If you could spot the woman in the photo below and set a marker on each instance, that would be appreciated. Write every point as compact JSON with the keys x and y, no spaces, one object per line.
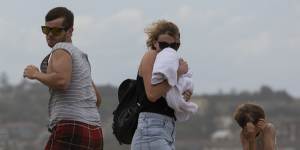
{"x":156,"y":124}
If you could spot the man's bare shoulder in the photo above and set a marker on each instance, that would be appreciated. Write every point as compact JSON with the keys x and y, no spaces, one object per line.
{"x":61,"y":51}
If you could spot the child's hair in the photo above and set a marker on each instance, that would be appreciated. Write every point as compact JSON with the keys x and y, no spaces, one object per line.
{"x":248,"y":112}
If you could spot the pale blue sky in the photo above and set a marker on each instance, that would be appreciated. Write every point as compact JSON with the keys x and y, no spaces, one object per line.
{"x":228,"y":44}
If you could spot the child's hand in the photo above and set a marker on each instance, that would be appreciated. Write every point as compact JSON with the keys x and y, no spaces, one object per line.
{"x":250,"y":131}
{"x":261,"y":124}
{"x":187,"y":95}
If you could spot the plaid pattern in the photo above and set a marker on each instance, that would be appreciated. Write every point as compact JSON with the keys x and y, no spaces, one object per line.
{"x":74,"y":135}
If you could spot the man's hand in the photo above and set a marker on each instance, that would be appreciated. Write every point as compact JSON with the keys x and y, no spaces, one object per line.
{"x":30,"y":72}
{"x":98,"y":96}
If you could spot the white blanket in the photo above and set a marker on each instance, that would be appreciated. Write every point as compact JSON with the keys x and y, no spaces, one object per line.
{"x":165,"y":68}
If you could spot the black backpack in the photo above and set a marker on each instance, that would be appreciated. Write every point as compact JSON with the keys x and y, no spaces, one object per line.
{"x":125,"y":116}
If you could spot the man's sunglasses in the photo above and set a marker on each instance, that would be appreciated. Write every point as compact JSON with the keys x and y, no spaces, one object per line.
{"x":163,"y":45}
{"x":55,"y":31}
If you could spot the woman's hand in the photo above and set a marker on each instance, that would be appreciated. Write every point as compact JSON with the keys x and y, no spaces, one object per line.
{"x":182,"y":68}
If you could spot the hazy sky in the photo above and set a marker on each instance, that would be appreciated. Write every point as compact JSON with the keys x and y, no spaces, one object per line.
{"x":229,"y":44}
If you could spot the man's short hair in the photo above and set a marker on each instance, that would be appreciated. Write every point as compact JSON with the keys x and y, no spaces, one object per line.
{"x":61,"y":12}
{"x":248,"y":112}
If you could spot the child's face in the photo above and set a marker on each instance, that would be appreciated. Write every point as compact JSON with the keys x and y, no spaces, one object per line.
{"x":250,"y":129}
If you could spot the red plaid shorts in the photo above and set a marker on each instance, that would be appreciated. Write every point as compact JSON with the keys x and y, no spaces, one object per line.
{"x":75,"y":135}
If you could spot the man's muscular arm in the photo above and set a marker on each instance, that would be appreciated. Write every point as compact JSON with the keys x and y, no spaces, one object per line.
{"x":59,"y":71}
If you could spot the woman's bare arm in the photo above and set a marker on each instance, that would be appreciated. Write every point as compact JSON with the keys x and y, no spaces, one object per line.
{"x":153,"y":92}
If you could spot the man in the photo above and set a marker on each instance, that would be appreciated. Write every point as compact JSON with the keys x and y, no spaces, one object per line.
{"x":74,"y":120}
{"x":256,"y":133}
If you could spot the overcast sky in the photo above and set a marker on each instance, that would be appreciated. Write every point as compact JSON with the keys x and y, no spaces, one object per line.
{"x":229,"y":44}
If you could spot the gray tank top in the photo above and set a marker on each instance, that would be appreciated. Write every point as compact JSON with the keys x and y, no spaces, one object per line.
{"x":78,"y":101}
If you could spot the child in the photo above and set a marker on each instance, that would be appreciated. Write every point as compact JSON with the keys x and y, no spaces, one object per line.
{"x":256,"y":133}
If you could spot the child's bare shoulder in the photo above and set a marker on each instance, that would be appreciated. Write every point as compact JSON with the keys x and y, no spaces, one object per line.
{"x":270,"y":128}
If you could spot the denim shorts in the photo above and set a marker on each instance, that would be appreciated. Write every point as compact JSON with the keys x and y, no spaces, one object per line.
{"x":154,"y":132}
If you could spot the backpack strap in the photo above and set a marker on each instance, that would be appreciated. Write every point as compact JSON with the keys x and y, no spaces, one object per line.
{"x":139,"y":90}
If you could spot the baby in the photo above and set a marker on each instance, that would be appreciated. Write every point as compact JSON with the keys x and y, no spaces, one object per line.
{"x":165,"y":68}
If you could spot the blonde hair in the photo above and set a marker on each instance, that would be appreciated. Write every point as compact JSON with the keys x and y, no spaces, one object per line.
{"x":161,"y":27}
